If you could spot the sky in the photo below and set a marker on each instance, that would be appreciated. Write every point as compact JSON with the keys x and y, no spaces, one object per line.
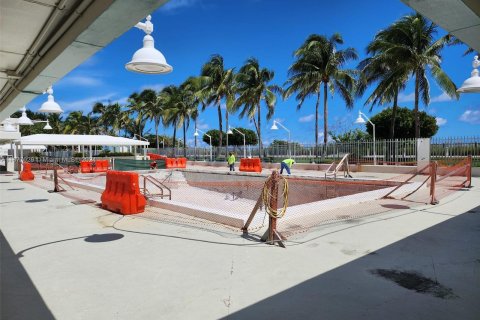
{"x":188,"y":32}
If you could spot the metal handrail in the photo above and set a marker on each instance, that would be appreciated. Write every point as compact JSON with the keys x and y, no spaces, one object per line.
{"x":158,"y":184}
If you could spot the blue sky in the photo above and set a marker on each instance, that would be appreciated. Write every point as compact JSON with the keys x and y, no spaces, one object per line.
{"x":188,"y":32}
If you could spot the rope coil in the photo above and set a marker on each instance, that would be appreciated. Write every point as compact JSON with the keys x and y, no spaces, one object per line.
{"x":267,"y":195}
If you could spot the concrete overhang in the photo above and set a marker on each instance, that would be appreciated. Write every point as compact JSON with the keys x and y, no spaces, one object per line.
{"x":41,"y":41}
{"x":459,"y":17}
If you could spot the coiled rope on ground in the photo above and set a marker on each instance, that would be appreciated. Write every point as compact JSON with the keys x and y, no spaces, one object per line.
{"x":267,"y":195}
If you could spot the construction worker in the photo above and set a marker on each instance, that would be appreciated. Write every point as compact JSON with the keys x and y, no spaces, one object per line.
{"x":286,"y":164}
{"x":231,"y":161}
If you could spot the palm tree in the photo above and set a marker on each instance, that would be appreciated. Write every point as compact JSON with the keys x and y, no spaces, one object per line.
{"x":172,"y":100}
{"x":411,"y":42}
{"x":218,"y":87}
{"x":193,"y":87}
{"x":252,"y":85}
{"x":74,"y":123}
{"x":109,"y":117}
{"x":154,"y":111}
{"x":319,"y":62}
{"x":137,"y":103}
{"x":387,"y":72}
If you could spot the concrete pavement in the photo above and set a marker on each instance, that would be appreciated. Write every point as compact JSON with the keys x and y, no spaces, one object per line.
{"x":67,"y":261}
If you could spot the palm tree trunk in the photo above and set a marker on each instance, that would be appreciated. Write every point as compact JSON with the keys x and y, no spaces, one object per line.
{"x":394,"y":115}
{"x":174,"y":137}
{"x":195,"y":156}
{"x":316,"y":123}
{"x":259,"y":131}
{"x":226,"y":137}
{"x":184,"y":139}
{"x":325,"y":117}
{"x":156,"y":135}
{"x":220,"y":124}
{"x":415,"y":111}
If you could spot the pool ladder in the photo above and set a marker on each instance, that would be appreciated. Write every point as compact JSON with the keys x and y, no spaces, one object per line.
{"x":164,"y":190}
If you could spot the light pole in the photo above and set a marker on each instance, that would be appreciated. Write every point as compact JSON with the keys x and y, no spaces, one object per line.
{"x":274,"y":127}
{"x":361,"y":120}
{"x":243,"y":134}
{"x":209,"y":136}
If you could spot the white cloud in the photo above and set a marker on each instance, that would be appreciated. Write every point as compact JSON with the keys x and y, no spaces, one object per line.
{"x":83,"y":81}
{"x":173,"y":5}
{"x":202,"y":125}
{"x":441,"y":121}
{"x":123,"y":100}
{"x":156,"y":87}
{"x":85,"y":104}
{"x":307,"y":118}
{"x":471,"y":116}
{"x":406,"y":97}
{"x":441,"y":98}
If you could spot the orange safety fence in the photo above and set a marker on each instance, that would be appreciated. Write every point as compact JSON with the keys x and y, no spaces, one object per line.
{"x":250,"y":165}
{"x":122,"y":193}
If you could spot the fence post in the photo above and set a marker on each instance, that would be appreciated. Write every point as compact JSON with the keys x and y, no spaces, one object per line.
{"x":272,"y":222}
{"x":433,"y":181}
{"x":469,"y":172}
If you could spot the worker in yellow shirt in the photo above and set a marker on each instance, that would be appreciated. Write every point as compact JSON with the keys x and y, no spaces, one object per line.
{"x":286,"y":164}
{"x":231,"y":161}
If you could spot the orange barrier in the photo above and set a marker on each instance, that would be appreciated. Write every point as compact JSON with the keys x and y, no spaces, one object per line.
{"x":101,"y":166}
{"x":250,"y":165}
{"x":86,"y":166}
{"x":27,"y":174}
{"x":122,"y":193}
{"x":172,"y":163}
{"x":154,"y":156}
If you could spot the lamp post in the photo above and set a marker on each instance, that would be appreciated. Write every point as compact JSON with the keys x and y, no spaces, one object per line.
{"x":209,"y":136}
{"x":274,"y":127}
{"x":141,"y":138}
{"x":472,"y":84}
{"x":148,"y":59}
{"x":243,"y":134}
{"x":361,"y":120}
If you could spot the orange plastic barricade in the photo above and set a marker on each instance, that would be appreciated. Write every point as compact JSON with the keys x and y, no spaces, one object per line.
{"x":122,"y":193}
{"x":250,"y":165}
{"x":172,"y":163}
{"x":154,"y":156}
{"x":182,"y":162}
{"x":86,"y":166}
{"x":101,"y":166}
{"x":27,"y":174}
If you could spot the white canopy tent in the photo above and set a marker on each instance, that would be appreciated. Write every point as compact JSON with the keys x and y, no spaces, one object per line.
{"x":78,"y":140}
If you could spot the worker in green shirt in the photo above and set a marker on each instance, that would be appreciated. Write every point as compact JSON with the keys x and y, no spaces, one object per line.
{"x":286,"y":164}
{"x":231,"y":161}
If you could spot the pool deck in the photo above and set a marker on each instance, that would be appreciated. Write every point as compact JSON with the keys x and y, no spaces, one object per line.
{"x":65,"y":261}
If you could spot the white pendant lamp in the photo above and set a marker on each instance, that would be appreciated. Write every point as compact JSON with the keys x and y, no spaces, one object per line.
{"x":8,"y":125}
{"x":148,"y":59}
{"x":24,"y":120}
{"x":472,"y":84}
{"x":50,"y":106}
{"x":47,"y":126}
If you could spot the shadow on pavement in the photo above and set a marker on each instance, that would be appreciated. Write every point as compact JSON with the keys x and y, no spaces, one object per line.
{"x":19,"y":297}
{"x":432,"y":274}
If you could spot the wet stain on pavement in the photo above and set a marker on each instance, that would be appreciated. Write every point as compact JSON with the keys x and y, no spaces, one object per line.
{"x":415,"y":281}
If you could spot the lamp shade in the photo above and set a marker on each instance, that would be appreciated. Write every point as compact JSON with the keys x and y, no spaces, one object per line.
{"x":196,"y":134}
{"x":229,"y":131}
{"x":148,"y":59}
{"x":50,"y":106}
{"x":24,"y":120}
{"x":360,"y":120}
{"x":47,"y":126}
{"x":472,"y":84}
{"x":274,"y":126}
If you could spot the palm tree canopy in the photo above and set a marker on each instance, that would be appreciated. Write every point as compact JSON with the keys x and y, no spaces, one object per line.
{"x":252,"y":85}
{"x":217,"y":82}
{"x":319,"y":61}
{"x":411,"y":41}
